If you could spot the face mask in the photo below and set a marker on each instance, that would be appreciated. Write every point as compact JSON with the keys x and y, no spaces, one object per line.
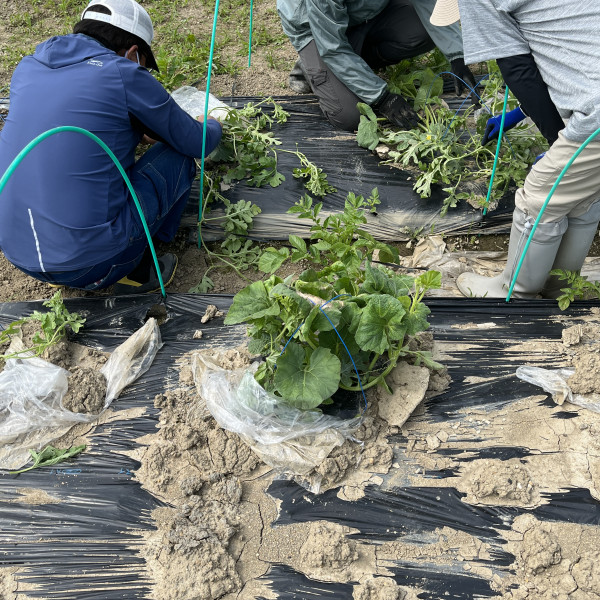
{"x":138,"y":58}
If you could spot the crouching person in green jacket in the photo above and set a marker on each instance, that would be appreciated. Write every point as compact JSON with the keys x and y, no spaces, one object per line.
{"x":340,"y":44}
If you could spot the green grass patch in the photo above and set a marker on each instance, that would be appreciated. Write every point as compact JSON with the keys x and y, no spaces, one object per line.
{"x":182,"y":29}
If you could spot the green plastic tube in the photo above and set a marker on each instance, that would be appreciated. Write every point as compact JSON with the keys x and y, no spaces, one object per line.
{"x":487,"y":200}
{"x":210,"y":63}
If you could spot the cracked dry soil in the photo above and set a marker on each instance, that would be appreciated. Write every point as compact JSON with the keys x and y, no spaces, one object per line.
{"x":219,"y":540}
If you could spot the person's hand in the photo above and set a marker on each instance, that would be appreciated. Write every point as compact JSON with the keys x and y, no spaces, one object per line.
{"x":396,"y":110}
{"x":492,"y":128}
{"x":201,"y":119}
{"x":147,"y":140}
{"x":461,"y":70}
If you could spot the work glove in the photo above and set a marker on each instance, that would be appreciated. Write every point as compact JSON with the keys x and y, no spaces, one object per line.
{"x":492,"y":128}
{"x":461,"y":70}
{"x":396,"y":110}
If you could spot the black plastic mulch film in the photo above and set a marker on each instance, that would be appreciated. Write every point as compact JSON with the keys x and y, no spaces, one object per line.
{"x":349,"y":168}
{"x":84,"y":548}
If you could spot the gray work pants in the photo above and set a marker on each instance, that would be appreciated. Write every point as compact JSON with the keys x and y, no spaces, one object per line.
{"x":395,"y":34}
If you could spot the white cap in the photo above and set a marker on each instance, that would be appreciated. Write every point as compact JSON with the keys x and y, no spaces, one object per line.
{"x":445,"y":13}
{"x":124,"y":14}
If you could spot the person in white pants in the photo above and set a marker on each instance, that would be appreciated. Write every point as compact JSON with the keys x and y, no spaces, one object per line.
{"x":549,"y":55}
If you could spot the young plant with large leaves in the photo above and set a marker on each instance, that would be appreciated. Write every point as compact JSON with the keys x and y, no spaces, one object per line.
{"x":315,"y":334}
{"x":343,"y":324}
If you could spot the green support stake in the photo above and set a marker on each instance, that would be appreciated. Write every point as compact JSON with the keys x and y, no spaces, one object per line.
{"x":210,"y":63}
{"x":487,"y":200}
{"x":250,"y":34}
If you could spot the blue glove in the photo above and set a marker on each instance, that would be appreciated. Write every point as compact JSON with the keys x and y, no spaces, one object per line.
{"x":512,"y":118}
{"x":538,"y":158}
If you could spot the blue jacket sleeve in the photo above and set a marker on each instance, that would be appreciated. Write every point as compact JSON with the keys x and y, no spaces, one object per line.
{"x":153,"y":106}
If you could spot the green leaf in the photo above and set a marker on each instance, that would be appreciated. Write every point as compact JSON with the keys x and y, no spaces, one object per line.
{"x":251,"y":303}
{"x":234,"y":174}
{"x":377,"y":280}
{"x":429,"y":280}
{"x":430,"y":86}
{"x":305,"y":378}
{"x":317,"y":321}
{"x":259,"y":345}
{"x":345,"y":285}
{"x":50,"y":456}
{"x":309,"y":275}
{"x":381,"y":321}
{"x":388,"y":254}
{"x":416,"y":320}
{"x":206,"y":284}
{"x":298,"y":243}
{"x":271,"y":259}
{"x":424,"y":182}
{"x":322,"y":245}
{"x":276,"y":179}
{"x":367,"y":111}
{"x":564,"y":302}
{"x":367,"y":135}
{"x":301,"y":305}
{"x":321,"y":289}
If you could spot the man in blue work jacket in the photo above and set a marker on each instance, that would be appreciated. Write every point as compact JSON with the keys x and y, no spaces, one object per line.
{"x":66,"y":215}
{"x":341,"y":42}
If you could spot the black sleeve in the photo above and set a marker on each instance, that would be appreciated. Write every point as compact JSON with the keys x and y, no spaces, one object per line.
{"x":137,"y":124}
{"x":524,"y":80}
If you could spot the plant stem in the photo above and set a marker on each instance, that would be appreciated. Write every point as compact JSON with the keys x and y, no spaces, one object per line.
{"x":370,"y":384}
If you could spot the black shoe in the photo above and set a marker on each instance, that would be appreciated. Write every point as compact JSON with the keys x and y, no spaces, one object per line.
{"x":297,"y":80}
{"x":144,"y":280}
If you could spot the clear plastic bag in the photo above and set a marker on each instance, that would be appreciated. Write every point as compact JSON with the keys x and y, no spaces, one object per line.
{"x":131,"y":359}
{"x":32,"y":389}
{"x":288,"y":439}
{"x":192,"y":100}
{"x":555,"y":383}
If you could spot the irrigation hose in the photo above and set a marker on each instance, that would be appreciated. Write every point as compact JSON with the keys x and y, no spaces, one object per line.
{"x":558,"y":179}
{"x":15,"y":163}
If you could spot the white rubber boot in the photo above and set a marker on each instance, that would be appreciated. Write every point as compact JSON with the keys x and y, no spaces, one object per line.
{"x":538,"y":261}
{"x":574,"y":248}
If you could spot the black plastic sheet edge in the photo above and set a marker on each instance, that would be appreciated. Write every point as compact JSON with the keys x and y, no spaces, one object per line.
{"x":349,"y":168}
{"x":86,"y":547}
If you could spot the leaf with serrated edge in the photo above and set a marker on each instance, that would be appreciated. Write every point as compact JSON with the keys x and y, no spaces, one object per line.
{"x":381,"y":318}
{"x":252,"y":302}
{"x":271,"y":259}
